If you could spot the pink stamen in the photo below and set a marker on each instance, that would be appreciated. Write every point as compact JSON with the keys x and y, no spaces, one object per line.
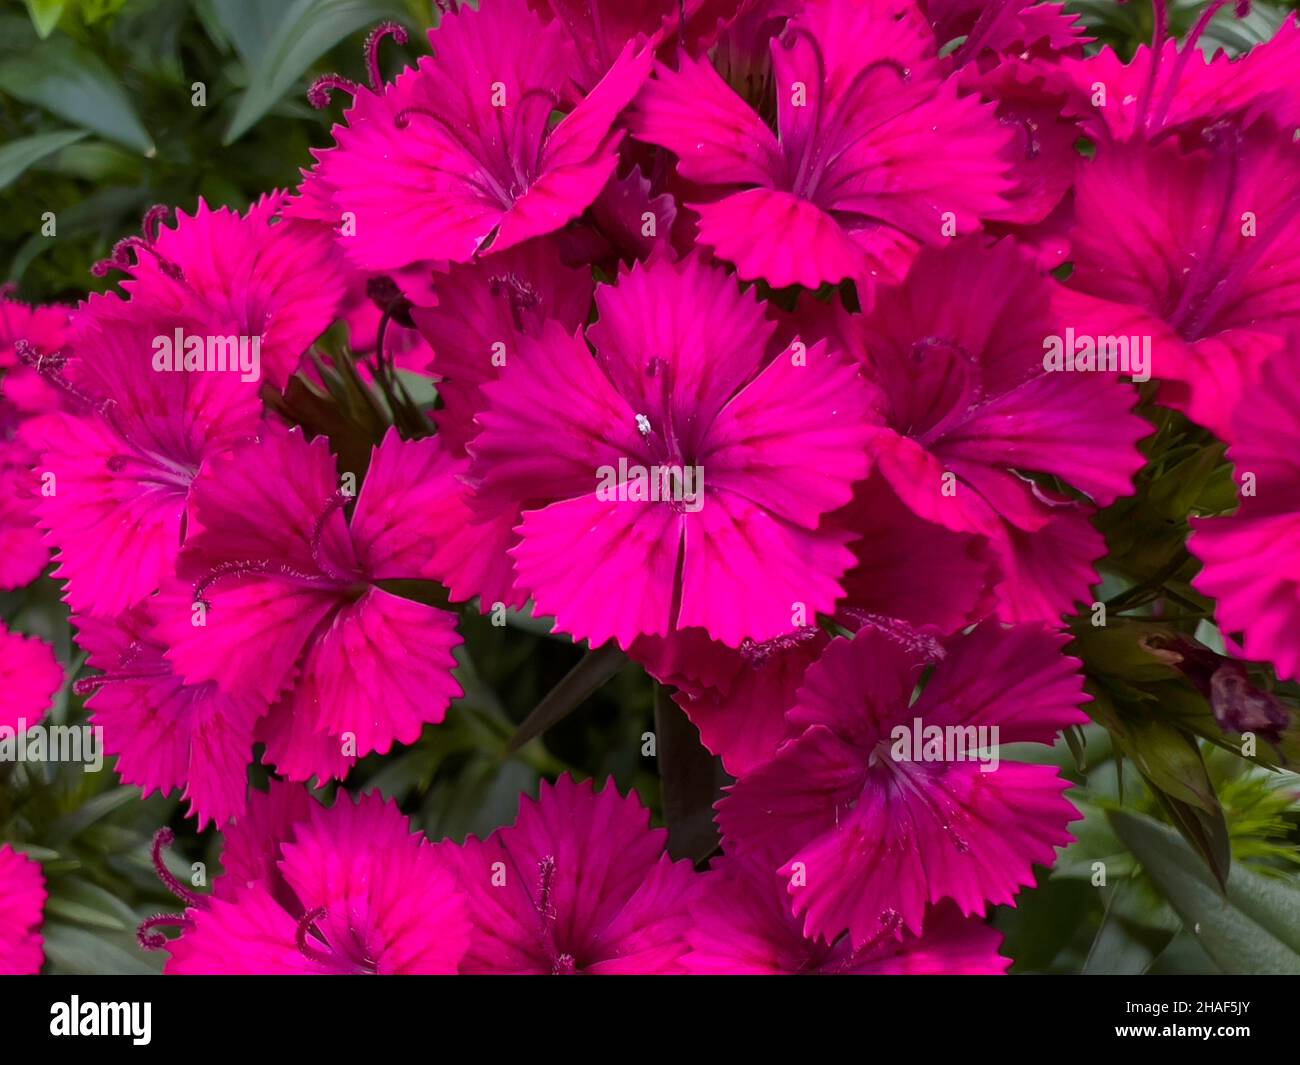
{"x":336,"y":502}
{"x":165,"y":837}
{"x":319,"y":93}
{"x":87,"y":685}
{"x":121,"y":260}
{"x":758,"y":655}
{"x":384,"y":29}
{"x":49,"y":367}
{"x":310,"y":952}
{"x":150,"y":940}
{"x":254,"y":568}
{"x":152,"y":222}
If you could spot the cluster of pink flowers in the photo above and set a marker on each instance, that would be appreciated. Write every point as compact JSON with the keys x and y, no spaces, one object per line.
{"x":805,"y":249}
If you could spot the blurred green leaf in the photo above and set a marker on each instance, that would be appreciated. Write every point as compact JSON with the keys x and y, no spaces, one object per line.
{"x":1255,"y":928}
{"x":303,"y":31}
{"x":45,"y":15}
{"x":75,"y":84}
{"x":77,"y":950}
{"x":18,"y":155}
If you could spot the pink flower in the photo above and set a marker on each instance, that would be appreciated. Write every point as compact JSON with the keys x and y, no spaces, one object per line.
{"x":865,"y":833}
{"x":1004,"y":28}
{"x":461,"y":153}
{"x":116,"y":475}
{"x":1251,"y":556}
{"x":290,"y":601}
{"x":252,"y":275}
{"x":736,"y":697}
{"x":1033,"y":101}
{"x":30,"y":676}
{"x":579,"y":883}
{"x":23,"y":553}
{"x":742,"y":926}
{"x":39,"y":331}
{"x":1207,"y":268}
{"x":22,"y":903}
{"x":873,"y":149}
{"x":483,"y":309}
{"x":912,"y":574}
{"x":27,"y":336}
{"x":353,"y":891}
{"x":1190,"y":86}
{"x":165,"y":733}
{"x":957,"y":352}
{"x":599,"y":30}
{"x":685,"y":379}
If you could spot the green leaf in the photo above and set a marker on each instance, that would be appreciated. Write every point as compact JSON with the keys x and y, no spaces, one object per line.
{"x":45,"y":15}
{"x":73,"y":83}
{"x":1171,"y":760}
{"x":79,"y":900}
{"x":304,"y":31}
{"x":691,"y":779}
{"x":249,"y":25}
{"x":484,"y":797}
{"x":18,"y":155}
{"x":71,"y":825}
{"x":593,"y":670}
{"x":77,"y":950}
{"x":1255,"y":928}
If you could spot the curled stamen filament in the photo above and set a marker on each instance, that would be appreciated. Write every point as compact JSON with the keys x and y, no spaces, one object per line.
{"x":152,"y":222}
{"x":336,"y":502}
{"x":305,"y":926}
{"x":164,"y":838}
{"x":120,"y":260}
{"x":230,"y":570}
{"x":151,"y":940}
{"x":321,"y":89}
{"x":377,"y":35}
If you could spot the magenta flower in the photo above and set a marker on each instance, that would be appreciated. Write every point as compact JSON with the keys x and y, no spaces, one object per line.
{"x":914,"y":576}
{"x":742,"y":926}
{"x":30,"y":676}
{"x":579,"y":883}
{"x":874,"y":154}
{"x":1004,"y":28}
{"x":27,"y":336}
{"x":958,"y":354}
{"x":736,"y":697}
{"x":116,"y":476}
{"x":483,"y":309}
{"x":283,"y":598}
{"x":22,"y":905}
{"x":23,"y":552}
{"x":599,"y":30}
{"x":1033,"y":100}
{"x":685,"y":381}
{"x":869,"y":828}
{"x":1249,"y":557}
{"x":252,"y":275}
{"x":354,"y":891}
{"x":165,"y":733}
{"x":1208,"y":268}
{"x":1189,"y":86}
{"x":462,"y":152}
{"x":36,"y":331}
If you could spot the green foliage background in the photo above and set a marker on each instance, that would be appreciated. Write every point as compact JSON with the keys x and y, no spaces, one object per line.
{"x":97,"y":123}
